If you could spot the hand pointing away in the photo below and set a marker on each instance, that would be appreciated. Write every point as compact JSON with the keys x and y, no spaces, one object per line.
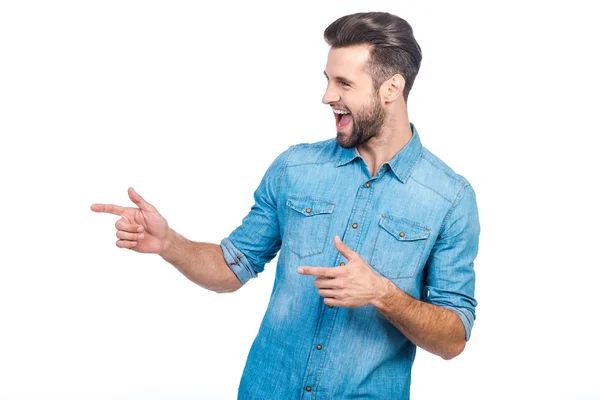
{"x":141,"y":229}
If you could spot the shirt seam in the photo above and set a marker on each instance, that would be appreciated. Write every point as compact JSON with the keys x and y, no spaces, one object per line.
{"x":454,"y":204}
{"x":283,"y":168}
{"x":433,"y":190}
{"x":451,"y":176}
{"x":309,"y":163}
{"x":412,"y":167}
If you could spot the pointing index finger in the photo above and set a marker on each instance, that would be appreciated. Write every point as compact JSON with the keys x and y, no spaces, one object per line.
{"x":317,"y":271}
{"x":108,"y":208}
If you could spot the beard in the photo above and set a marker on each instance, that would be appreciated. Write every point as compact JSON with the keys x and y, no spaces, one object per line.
{"x":366,"y":124}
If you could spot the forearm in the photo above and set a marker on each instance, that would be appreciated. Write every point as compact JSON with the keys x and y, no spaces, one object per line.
{"x":202,"y":263}
{"x":433,"y":328}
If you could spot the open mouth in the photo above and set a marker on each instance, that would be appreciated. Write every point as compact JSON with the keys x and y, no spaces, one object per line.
{"x":342,"y":118}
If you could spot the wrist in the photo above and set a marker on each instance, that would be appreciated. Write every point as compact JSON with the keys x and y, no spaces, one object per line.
{"x":168,"y":244}
{"x":383,"y":293}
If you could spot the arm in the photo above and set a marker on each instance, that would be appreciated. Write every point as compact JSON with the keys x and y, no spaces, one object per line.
{"x":202,"y":263}
{"x":145,"y":230}
{"x":435,"y":329}
{"x":442,"y":322}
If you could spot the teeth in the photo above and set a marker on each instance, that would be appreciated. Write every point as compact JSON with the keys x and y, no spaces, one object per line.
{"x":340,"y":111}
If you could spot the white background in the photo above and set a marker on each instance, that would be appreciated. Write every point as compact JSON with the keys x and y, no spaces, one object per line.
{"x":189,"y":103}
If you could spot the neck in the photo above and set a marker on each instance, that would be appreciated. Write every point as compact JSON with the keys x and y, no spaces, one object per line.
{"x":394,"y":135}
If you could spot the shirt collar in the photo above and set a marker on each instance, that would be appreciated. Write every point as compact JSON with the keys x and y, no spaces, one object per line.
{"x":402,"y":163}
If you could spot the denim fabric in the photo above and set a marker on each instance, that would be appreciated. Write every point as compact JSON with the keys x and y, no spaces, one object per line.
{"x":415,"y":222}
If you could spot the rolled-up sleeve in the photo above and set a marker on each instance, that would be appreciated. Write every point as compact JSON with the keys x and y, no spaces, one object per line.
{"x":258,"y":239}
{"x":450,"y":268}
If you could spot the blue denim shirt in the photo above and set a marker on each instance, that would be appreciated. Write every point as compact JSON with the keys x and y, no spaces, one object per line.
{"x":415,"y":222}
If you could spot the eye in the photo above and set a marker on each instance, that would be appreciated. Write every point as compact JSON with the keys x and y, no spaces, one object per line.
{"x":345,"y":84}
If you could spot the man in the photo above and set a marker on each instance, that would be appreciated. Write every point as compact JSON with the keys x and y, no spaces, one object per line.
{"x":344,"y":317}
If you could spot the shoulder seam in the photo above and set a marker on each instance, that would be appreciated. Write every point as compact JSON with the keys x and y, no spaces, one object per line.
{"x":312,"y":147}
{"x":307,"y":163}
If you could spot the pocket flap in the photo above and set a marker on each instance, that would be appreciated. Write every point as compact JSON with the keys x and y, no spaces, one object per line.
{"x":310,"y":206}
{"x":403,"y":229}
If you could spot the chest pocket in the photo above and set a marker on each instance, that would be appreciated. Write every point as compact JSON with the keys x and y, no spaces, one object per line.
{"x":307,"y":226}
{"x":399,"y":247}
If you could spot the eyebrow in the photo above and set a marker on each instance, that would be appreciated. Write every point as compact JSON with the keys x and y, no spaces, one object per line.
{"x":339,"y":78}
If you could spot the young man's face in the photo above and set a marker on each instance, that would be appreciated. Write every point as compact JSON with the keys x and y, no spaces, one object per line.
{"x":357,"y":107}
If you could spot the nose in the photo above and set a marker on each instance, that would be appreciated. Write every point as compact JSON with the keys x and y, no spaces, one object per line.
{"x":330,"y":96}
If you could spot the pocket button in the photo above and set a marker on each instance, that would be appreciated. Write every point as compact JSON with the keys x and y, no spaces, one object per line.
{"x":308,"y":222}
{"x":399,"y":246}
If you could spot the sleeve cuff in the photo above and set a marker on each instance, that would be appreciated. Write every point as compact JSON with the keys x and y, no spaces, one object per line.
{"x":466,"y":317}
{"x":237,"y":261}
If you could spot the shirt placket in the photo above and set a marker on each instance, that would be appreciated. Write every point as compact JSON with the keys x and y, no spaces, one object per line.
{"x":352,"y":237}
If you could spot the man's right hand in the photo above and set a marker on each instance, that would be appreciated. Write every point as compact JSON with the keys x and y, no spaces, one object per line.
{"x":141,"y":229}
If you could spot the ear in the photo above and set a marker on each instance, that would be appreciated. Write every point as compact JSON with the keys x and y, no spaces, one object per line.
{"x":391,"y":90}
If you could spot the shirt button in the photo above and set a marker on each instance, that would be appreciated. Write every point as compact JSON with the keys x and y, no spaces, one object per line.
{"x":368,"y":185}
{"x":342,"y":263}
{"x":319,"y":347}
{"x":308,"y":210}
{"x":401,"y":234}
{"x":308,"y":388}
{"x":355,"y":226}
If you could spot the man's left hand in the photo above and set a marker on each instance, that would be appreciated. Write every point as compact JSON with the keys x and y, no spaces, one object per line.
{"x":352,"y":285}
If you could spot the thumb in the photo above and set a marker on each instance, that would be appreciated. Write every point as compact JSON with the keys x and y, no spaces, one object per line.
{"x":139,"y":201}
{"x":343,"y":248}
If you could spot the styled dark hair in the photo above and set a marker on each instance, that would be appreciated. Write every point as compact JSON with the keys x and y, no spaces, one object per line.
{"x":394,"y":48}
